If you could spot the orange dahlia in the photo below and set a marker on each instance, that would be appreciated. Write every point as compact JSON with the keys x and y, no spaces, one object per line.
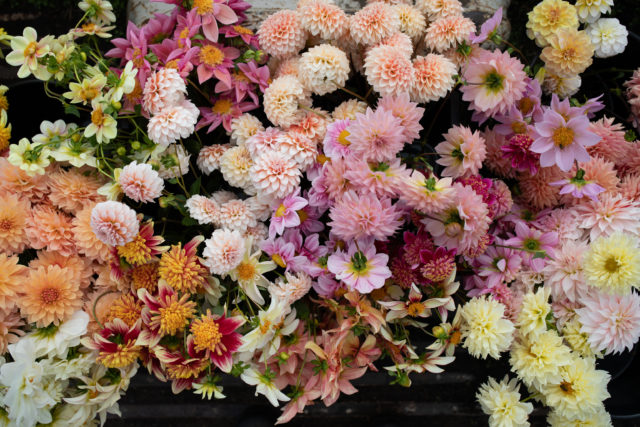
{"x":49,"y":296}
{"x":72,"y":190}
{"x":16,"y":181}
{"x":51,"y":229}
{"x":86,"y":241}
{"x":12,"y":279}
{"x":144,"y":277}
{"x":126,"y":308}
{"x":13,"y":214}
{"x":10,"y":332}
{"x":78,"y":266}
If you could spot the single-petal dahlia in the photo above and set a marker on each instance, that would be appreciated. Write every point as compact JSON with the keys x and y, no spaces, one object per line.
{"x":282,"y":34}
{"x":140,"y":182}
{"x":433,"y":77}
{"x":14,"y":212}
{"x":163,"y":89}
{"x":49,"y":295}
{"x":612,"y":322}
{"x":358,"y":216}
{"x":216,"y":335}
{"x":388,"y":70}
{"x":114,"y":223}
{"x":223,"y":251}
{"x":361,"y":270}
{"x":52,"y":229}
{"x":172,"y":123}
{"x":180,"y":267}
{"x":462,"y":152}
{"x":335,"y":142}
{"x":323,"y":69}
{"x":209,"y":157}
{"x":324,"y":19}
{"x":376,"y":135}
{"x":373,"y":23}
{"x":275,"y":174}
{"x":12,"y":278}
{"x":282,"y":100}
{"x":449,"y":31}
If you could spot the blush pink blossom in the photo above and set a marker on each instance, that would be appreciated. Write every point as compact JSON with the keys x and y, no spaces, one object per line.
{"x":140,"y":182}
{"x":376,"y":135}
{"x":114,"y":223}
{"x":285,"y":215}
{"x":361,"y":269}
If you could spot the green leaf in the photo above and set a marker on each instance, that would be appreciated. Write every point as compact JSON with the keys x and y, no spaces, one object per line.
{"x":187,"y":221}
{"x":71,"y":109}
{"x":195,"y":187}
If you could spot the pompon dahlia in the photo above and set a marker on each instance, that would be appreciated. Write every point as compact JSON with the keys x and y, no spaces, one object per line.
{"x":87,"y":243}
{"x":388,"y":70}
{"x":181,"y":269}
{"x":502,"y":196}
{"x":612,"y":322}
{"x":427,"y":195}
{"x":114,"y":223}
{"x":323,"y":69}
{"x":275,"y":174}
{"x":399,"y":41}
{"x":324,"y":19}
{"x":140,"y":182}
{"x":412,"y":21}
{"x":549,"y":16}
{"x":462,"y":152}
{"x":282,"y":100}
{"x":14,"y":212}
{"x":408,"y":112}
{"x":612,"y":146}
{"x":496,"y":82}
{"x":49,"y":295}
{"x":609,"y":214}
{"x":172,"y":123}
{"x":282,"y":34}
{"x":72,"y":190}
{"x":263,"y":141}
{"x":349,"y":110}
{"x":236,"y":215}
{"x":244,"y":127}
{"x":373,"y":23}
{"x":358,"y":216}
{"x":12,"y":279}
{"x":235,"y":165}
{"x":313,"y":125}
{"x":209,"y":157}
{"x":376,"y":135}
{"x":51,"y":229}
{"x":79,"y":267}
{"x":448,"y":32}
{"x":287,"y":67}
{"x":436,"y":9}
{"x":203,"y":209}
{"x":223,"y":251}
{"x":164,"y":88}
{"x":433,"y":77}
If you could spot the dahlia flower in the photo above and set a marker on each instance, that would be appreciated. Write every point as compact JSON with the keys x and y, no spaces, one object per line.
{"x":209,"y":157}
{"x":173,"y":123}
{"x":116,"y":344}
{"x":608,"y":37}
{"x":388,"y":70}
{"x":412,"y":21}
{"x":282,"y":99}
{"x":335,"y":143}
{"x":140,"y":182}
{"x":447,"y":32}
{"x":349,"y":110}
{"x":408,"y":112}
{"x":324,"y":19}
{"x":286,"y":214}
{"x":164,"y":88}
{"x":427,"y":195}
{"x":282,"y":34}
{"x":569,"y":52}
{"x":538,"y":361}
{"x":223,"y":251}
{"x":462,"y":152}
{"x":114,"y":223}
{"x":590,"y":10}
{"x":275,"y":174}
{"x":203,"y":209}
{"x":376,"y":135}
{"x":547,"y":17}
{"x":216,"y":335}
{"x":26,"y":51}
{"x":488,"y":28}
{"x":236,"y":215}
{"x":373,"y":23}
{"x":563,"y":86}
{"x":244,"y":127}
{"x":291,"y":288}
{"x":323,"y":69}
{"x":484,"y":329}
{"x":608,"y":215}
{"x":359,"y":216}
{"x":71,"y":190}
{"x":612,"y":264}
{"x":433,"y":77}
{"x":14,"y":212}
{"x":501,"y":401}
{"x":360,"y":270}
{"x":50,"y":228}
{"x":436,"y":9}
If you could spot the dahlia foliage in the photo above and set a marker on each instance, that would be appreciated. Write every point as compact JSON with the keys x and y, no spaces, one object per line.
{"x":330,"y":231}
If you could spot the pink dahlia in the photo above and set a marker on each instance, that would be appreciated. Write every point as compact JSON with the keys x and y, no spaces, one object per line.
{"x":563,"y":273}
{"x":388,"y":70}
{"x":209,"y":157}
{"x":286,"y":214}
{"x":376,"y":135}
{"x":140,"y":182}
{"x":462,"y":152}
{"x":333,"y":179}
{"x":495,"y":160}
{"x":448,"y":32}
{"x":427,"y":195}
{"x":609,"y":214}
{"x":613,"y":146}
{"x":488,"y":28}
{"x":163,"y":89}
{"x":275,"y":174}
{"x":400,"y":42}
{"x":373,"y":23}
{"x":433,"y":77}
{"x":223,"y":251}
{"x":262,"y":141}
{"x":532,"y":242}
{"x":203,"y":209}
{"x":578,"y":187}
{"x":408,"y":112}
{"x":518,"y":151}
{"x":335,"y":142}
{"x":361,"y":269}
{"x":324,"y":19}
{"x":496,"y":81}
{"x":114,"y":223}
{"x":358,"y":216}
{"x":633,"y":96}
{"x":536,"y":190}
{"x":172,"y":124}
{"x":215,"y":60}
{"x":611,"y":321}
{"x":498,"y":265}
{"x":560,"y":141}
{"x":282,"y":34}
{"x":384,"y":179}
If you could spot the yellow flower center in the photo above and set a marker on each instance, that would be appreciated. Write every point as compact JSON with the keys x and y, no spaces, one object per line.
{"x":89,"y":28}
{"x":562,"y":136}
{"x":97,"y":117}
{"x":124,"y":356}
{"x":138,"y":58}
{"x":322,"y":159}
{"x":567,"y":387}
{"x":242,"y":30}
{"x":568,"y":54}
{"x":264,"y":327}
{"x":554,"y":15}
{"x":519,"y":127}
{"x":31,"y":49}
{"x":88,"y":93}
{"x":342,"y":138}
{"x":246,"y":271}
{"x":415,"y":308}
{"x":206,"y":334}
{"x":49,"y":295}
{"x":203,"y":6}
{"x":278,"y":260}
{"x":211,"y":55}
{"x":281,"y":210}
{"x":611,"y":265}
{"x":5,"y":136}
{"x":222,"y":106}
{"x":6,"y":224}
{"x":135,"y":252}
{"x":240,"y":76}
{"x":455,"y":338}
{"x":145,"y":276}
{"x":303,"y":215}
{"x":174,"y":318}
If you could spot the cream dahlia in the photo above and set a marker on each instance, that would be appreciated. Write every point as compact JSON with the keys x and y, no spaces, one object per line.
{"x":275,"y":174}
{"x":223,"y":251}
{"x":209,"y":157}
{"x":323,"y":69}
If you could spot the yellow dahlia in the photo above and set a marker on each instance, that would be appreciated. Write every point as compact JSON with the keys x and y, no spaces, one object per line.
{"x":181,"y":268}
{"x":126,"y":308}
{"x":547,"y":17}
{"x":144,"y":277}
{"x":612,"y":263}
{"x":569,"y":52}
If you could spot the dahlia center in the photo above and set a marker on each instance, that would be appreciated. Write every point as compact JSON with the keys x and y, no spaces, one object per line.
{"x":206,"y":334}
{"x":611,"y":265}
{"x":453,"y":229}
{"x":239,"y":76}
{"x":138,"y":58}
{"x":531,"y":244}
{"x":519,"y":127}
{"x":553,"y":15}
{"x":222,"y":107}
{"x":415,"y":308}
{"x":172,"y":64}
{"x":89,"y":93}
{"x":525,"y":105}
{"x":203,"y":6}
{"x":567,"y":387}
{"x":31,"y":49}
{"x":493,"y":81}
{"x":568,"y":54}
{"x":49,"y":295}
{"x":6,"y":224}
{"x":211,"y":55}
{"x":278,"y":260}
{"x":242,"y":30}
{"x":281,"y":211}
{"x":264,"y":326}
{"x":136,"y":251}
{"x":97,"y":117}
{"x":4,"y":103}
{"x":342,"y":138}
{"x":456,"y":337}
{"x":359,"y":262}
{"x":89,"y":28}
{"x":246,"y":271}
{"x":563,"y":136}
{"x":173,"y":318}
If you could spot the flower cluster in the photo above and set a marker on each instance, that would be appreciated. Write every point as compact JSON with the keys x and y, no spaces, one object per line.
{"x":301,"y":246}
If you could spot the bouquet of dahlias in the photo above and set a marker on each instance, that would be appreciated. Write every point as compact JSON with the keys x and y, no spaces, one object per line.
{"x":322,"y":235}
